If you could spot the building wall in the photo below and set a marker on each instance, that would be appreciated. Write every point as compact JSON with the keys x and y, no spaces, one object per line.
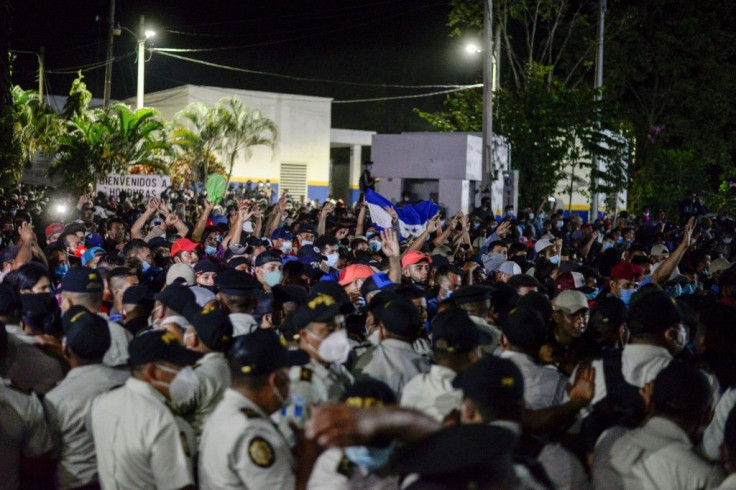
{"x":304,"y":131}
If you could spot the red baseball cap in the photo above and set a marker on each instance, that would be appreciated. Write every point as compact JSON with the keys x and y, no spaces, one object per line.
{"x":183,"y":245}
{"x":414,"y":257}
{"x":353,"y":272}
{"x":627,"y":271}
{"x":54,"y":228}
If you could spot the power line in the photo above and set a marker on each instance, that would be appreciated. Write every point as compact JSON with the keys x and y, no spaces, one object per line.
{"x":415,"y":96}
{"x":296,"y":38}
{"x":90,"y":66}
{"x":305,"y":79}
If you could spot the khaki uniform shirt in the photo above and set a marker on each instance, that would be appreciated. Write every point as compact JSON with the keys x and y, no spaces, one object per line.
{"x":138,"y":441}
{"x":68,"y":406}
{"x":659,"y":455}
{"x":27,"y":365}
{"x":392,"y":361}
{"x":713,"y":436}
{"x":213,"y":375}
{"x":243,"y":323}
{"x":432,"y":393}
{"x":544,"y":386}
{"x":241,"y":448}
{"x":23,"y":433}
{"x":117,"y":354}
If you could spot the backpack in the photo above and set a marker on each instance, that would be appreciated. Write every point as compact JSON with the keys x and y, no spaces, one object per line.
{"x":623,"y":405}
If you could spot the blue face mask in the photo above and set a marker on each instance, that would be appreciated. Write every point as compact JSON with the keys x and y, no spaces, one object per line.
{"x":375,"y":246}
{"x":674,"y":291}
{"x":446,"y":295}
{"x":560,"y":224}
{"x":273,"y":278}
{"x":370,"y":458}
{"x":593,"y":295}
{"x":60,"y":271}
{"x":620,"y":240}
{"x":210,"y":250}
{"x":146,"y":266}
{"x":626,"y":295}
{"x":607,"y":245}
{"x":555,"y":259}
{"x":360,"y":303}
{"x":218,"y":238}
{"x":688,"y":289}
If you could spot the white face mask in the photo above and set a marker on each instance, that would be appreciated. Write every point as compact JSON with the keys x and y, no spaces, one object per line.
{"x":286,"y":246}
{"x":333,"y":348}
{"x":184,"y":385}
{"x":333,"y":259}
{"x":307,"y":243}
{"x":285,"y":401}
{"x":248,"y":227}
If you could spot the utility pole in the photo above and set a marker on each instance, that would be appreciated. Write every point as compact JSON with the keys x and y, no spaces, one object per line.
{"x":141,"y":63}
{"x":595,"y":201}
{"x":488,"y":82}
{"x":108,"y":58}
{"x":41,"y":69}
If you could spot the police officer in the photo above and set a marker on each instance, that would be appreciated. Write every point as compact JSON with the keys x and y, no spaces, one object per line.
{"x":238,"y":293}
{"x":241,"y":447}
{"x":358,"y":466}
{"x":367,"y":181}
{"x":476,"y":300}
{"x":138,"y":441}
{"x":210,"y":334}
{"x":86,"y":341}
{"x":455,"y":341}
{"x":23,"y":427}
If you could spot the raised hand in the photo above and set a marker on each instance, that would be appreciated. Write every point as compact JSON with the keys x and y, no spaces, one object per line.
{"x":341,"y":233}
{"x":390,"y":243}
{"x":503,"y":229}
{"x":583,"y":388}
{"x":327,"y":210}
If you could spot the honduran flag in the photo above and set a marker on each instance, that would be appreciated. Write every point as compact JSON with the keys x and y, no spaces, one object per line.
{"x":412,"y":217}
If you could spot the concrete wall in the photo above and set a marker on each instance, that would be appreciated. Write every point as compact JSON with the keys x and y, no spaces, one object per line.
{"x":303,"y":123}
{"x":453,"y":159}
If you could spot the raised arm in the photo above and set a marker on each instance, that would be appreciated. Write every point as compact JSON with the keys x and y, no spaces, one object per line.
{"x":664,"y":271}
{"x":390,"y":247}
{"x":202,"y":221}
{"x":327,"y":210}
{"x":362,"y":208}
{"x":136,"y":231}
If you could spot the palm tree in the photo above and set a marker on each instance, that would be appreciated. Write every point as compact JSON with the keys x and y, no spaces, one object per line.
{"x":35,"y":127}
{"x":198,"y":131}
{"x":136,"y":138}
{"x":244,"y":128}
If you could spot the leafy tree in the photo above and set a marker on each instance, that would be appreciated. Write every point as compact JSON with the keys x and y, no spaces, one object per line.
{"x":9,"y":150}
{"x":35,"y":127}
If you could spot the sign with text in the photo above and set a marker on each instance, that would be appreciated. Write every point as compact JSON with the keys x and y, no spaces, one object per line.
{"x":148,"y":185}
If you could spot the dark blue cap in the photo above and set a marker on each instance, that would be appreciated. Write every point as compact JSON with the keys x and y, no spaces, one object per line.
{"x":282,"y":233}
{"x":177,"y":297}
{"x":213,"y":327}
{"x":266,"y":257}
{"x":160,"y":345}
{"x":87,"y":334}
{"x":236,"y":283}
{"x":261,"y":353}
{"x":454,"y":332}
{"x":82,"y":280}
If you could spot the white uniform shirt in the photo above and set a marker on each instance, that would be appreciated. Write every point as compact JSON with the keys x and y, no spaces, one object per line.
{"x":23,"y":433}
{"x":213,"y":375}
{"x":659,"y":455}
{"x":489,"y":330}
{"x":243,"y":323}
{"x":432,"y":393}
{"x":729,"y":483}
{"x":392,"y":361}
{"x":27,"y":365}
{"x":713,"y":436}
{"x":241,"y":448}
{"x":544,"y":386}
{"x":117,"y":354}
{"x":138,"y":441}
{"x":68,"y":405}
{"x":333,"y":471}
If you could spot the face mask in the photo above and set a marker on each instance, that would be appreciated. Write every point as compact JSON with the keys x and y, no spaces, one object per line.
{"x":555,"y":259}
{"x":531,"y":216}
{"x":688,"y":289}
{"x":146,"y":266}
{"x":592,"y":296}
{"x":370,"y":458}
{"x":333,"y":348}
{"x":510,"y":214}
{"x":184,"y":385}
{"x":210,"y":250}
{"x":560,"y":224}
{"x":273,"y":278}
{"x":360,"y":302}
{"x":332,"y":259}
{"x":607,"y":245}
{"x":60,"y":271}
{"x":285,"y":401}
{"x":248,"y":227}
{"x":727,"y":240}
{"x":307,"y":243}
{"x":674,"y":291}
{"x":286,"y":246}
{"x":626,"y":295}
{"x":620,"y":240}
{"x":446,"y":295}
{"x":375,"y":246}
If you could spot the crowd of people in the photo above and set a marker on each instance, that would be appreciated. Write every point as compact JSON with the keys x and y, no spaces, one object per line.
{"x":174,"y":342}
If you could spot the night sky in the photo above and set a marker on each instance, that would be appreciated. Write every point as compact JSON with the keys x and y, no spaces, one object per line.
{"x":377,"y":42}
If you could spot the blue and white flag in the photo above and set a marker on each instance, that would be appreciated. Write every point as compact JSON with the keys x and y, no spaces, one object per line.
{"x":412,"y":217}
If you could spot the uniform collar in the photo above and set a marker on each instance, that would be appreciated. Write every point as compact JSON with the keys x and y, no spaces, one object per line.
{"x":667,"y":429}
{"x":239,"y":400}
{"x":145,"y":389}
{"x":442,"y":372}
{"x":397,"y":344}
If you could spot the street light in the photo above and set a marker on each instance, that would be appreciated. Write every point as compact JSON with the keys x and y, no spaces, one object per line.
{"x":472,"y":48}
{"x":145,"y":35}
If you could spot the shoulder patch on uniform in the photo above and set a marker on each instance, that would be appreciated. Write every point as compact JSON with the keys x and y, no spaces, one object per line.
{"x":305,"y":374}
{"x":250,"y":413}
{"x":346,"y":467}
{"x":196,"y":365}
{"x":261,"y":452}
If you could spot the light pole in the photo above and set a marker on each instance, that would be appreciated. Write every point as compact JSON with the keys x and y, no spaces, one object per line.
{"x":595,"y":201}
{"x":144,"y":36}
